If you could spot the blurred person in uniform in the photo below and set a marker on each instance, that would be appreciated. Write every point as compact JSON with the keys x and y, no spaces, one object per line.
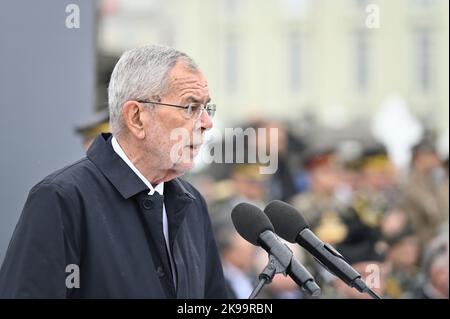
{"x":281,"y":185}
{"x":322,"y":206}
{"x":375,"y":195}
{"x":246,"y":184}
{"x":378,"y":190}
{"x":372,"y":272}
{"x":435,"y":269}
{"x":325,"y":205}
{"x":89,"y":130}
{"x":237,"y":257}
{"x":369,"y":263}
{"x":426,"y":200}
{"x":348,"y":220}
{"x":360,"y":248}
{"x":362,"y":240}
{"x":402,"y":255}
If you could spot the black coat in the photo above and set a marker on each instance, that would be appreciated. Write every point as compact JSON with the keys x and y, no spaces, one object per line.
{"x":97,"y":214}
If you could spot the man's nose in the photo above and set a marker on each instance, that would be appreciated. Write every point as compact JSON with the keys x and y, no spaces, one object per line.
{"x":205,"y":120}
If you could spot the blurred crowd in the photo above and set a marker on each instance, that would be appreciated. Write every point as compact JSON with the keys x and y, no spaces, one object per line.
{"x":391,"y":225}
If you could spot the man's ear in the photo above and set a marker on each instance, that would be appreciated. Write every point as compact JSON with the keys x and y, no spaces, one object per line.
{"x":132,"y":114}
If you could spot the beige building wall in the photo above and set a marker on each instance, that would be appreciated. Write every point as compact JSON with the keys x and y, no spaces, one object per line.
{"x":285,"y":58}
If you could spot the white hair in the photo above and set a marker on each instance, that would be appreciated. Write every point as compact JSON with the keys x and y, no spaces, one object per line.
{"x":141,"y":73}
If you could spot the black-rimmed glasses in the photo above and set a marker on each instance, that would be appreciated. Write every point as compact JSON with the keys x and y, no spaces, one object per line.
{"x":192,"y":110}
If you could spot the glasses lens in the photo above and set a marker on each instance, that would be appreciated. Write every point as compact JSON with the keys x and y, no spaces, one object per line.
{"x":211,"y":110}
{"x":194,"y":110}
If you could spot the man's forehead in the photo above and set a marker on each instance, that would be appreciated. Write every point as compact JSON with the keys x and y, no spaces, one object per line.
{"x":194,"y":80}
{"x":184,"y":77}
{"x":190,"y":87}
{"x":188,"y":84}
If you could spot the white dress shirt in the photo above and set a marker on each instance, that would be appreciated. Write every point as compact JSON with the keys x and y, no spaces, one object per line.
{"x":158,"y":188}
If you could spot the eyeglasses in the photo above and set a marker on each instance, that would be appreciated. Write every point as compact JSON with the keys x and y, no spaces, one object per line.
{"x":192,"y":110}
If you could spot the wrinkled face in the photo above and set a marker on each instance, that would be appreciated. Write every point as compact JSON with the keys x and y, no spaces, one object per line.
{"x":172,"y":137}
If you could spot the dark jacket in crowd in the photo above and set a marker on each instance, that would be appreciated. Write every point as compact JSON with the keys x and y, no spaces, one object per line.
{"x":94,"y":221}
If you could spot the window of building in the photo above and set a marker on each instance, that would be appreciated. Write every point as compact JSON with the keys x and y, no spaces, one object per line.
{"x":231,"y":63}
{"x":422,"y":48}
{"x":361,"y":60}
{"x":294,"y":61}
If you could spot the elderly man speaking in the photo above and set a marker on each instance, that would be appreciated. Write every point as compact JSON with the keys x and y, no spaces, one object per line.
{"x":120,"y":223}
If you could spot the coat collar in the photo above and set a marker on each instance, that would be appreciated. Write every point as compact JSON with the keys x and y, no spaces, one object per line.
{"x":120,"y":174}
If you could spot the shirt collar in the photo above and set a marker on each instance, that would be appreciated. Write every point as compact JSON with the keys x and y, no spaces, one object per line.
{"x":158,"y":188}
{"x":125,"y":180}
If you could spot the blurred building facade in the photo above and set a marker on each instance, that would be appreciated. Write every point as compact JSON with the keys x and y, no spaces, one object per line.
{"x":287,"y":58}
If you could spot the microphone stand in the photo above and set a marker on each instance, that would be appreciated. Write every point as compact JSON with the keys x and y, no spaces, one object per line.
{"x":283,"y":261}
{"x":265,"y":277}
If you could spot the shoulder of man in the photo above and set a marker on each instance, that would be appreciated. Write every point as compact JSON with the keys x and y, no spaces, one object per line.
{"x":58,"y":193}
{"x":66,"y":177}
{"x":49,"y":226}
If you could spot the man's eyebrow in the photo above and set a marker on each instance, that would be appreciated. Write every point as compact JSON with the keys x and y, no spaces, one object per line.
{"x":192,"y":99}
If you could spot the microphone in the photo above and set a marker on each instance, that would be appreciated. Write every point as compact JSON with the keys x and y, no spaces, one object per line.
{"x":255,"y":227}
{"x":291,"y":226}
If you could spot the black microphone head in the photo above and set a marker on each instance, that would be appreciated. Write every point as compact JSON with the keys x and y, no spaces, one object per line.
{"x":250,"y":222}
{"x":286,"y":220}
